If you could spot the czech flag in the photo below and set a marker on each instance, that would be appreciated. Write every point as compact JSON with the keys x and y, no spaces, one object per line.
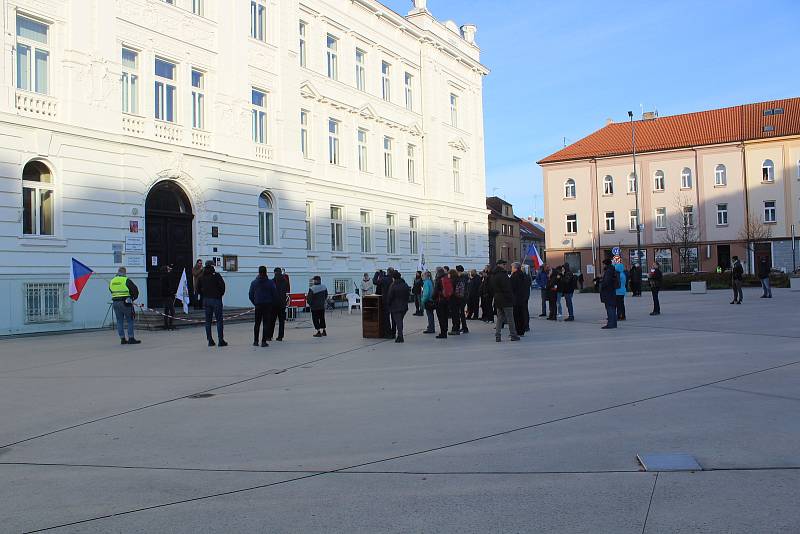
{"x":533,"y":254}
{"x":79,"y":274}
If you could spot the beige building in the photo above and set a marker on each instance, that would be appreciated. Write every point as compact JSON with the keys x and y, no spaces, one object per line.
{"x":701,"y":177}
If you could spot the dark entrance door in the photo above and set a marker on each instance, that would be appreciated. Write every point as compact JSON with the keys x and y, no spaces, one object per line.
{"x":762,"y":250}
{"x":724,"y":256}
{"x":168,"y":231}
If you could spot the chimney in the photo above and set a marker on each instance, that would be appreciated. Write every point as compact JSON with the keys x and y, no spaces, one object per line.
{"x":469,"y":31}
{"x":649,"y":115}
{"x":609,"y":121}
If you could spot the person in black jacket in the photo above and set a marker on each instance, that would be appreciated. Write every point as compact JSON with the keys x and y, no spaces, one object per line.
{"x":655,"y":276}
{"x":635,"y":277}
{"x":417,"y":292}
{"x":263,"y":295}
{"x":520,"y":296}
{"x":382,"y":282}
{"x":398,"y":303}
{"x":212,"y":287}
{"x":737,"y":276}
{"x":567,"y":288}
{"x":608,"y":292}
{"x":487,"y":306}
{"x":763,"y":275}
{"x":503,"y":302}
{"x":169,"y":287}
{"x":282,"y":288}
{"x":553,"y":285}
{"x":317,"y":299}
{"x":473,"y":294}
{"x":442,"y":292}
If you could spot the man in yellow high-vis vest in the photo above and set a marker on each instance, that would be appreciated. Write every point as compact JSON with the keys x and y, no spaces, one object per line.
{"x":123,"y":293}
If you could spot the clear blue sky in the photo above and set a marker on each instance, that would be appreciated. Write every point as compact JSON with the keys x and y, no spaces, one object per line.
{"x":561,"y":68}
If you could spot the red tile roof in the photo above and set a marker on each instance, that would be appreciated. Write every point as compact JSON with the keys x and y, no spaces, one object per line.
{"x":726,"y":125}
{"x":532,"y":231}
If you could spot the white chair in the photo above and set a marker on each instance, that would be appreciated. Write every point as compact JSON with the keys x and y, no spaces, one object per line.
{"x":353,"y":301}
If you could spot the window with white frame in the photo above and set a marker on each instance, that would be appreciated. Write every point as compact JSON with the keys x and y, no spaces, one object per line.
{"x":454,"y":110}
{"x":661,"y":218}
{"x":768,"y":171}
{"x":457,"y":174}
{"x":572,"y":223}
{"x":302,"y":51}
{"x":38,"y":200}
{"x":198,"y":99}
{"x":391,"y":233}
{"x":259,"y":116}
{"x":337,"y":228}
{"x":166,"y":105}
{"x":341,"y":286}
{"x":387,"y":157}
{"x":722,"y":215}
{"x":362,"y":150}
{"x":333,"y":57}
{"x":770,"y":215}
{"x":664,"y":259}
{"x":686,"y":178}
{"x":258,"y":20}
{"x":610,"y":222}
{"x":659,"y":182}
{"x":720,"y":175}
{"x":198,"y":7}
{"x":305,"y":134}
{"x":608,"y":185}
{"x":413,"y":234}
{"x":266,"y":219}
{"x":361,"y":70}
{"x":411,"y":153}
{"x":46,"y":302}
{"x":33,"y":55}
{"x":309,"y":225}
{"x":333,"y":141}
{"x":386,"y":81}
{"x":569,"y":188}
{"x":688,"y":216}
{"x":465,"y":238}
{"x":456,"y":238}
{"x":631,"y":183}
{"x":366,"y":231}
{"x":633,"y":220}
{"x":130,"y":81}
{"x":409,"y":79}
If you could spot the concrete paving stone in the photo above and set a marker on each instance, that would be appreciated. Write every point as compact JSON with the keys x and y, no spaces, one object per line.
{"x":413,"y":504}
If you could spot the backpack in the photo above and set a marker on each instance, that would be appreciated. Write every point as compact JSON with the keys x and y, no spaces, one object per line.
{"x":447,"y":288}
{"x":461,"y":287}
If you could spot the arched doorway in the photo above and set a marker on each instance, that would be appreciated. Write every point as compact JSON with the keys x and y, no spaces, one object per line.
{"x":168,"y":231}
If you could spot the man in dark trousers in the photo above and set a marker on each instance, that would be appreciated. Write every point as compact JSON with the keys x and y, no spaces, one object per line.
{"x":442,"y":292}
{"x":655,"y":278}
{"x":417,"y":292}
{"x":503,"y":302}
{"x":763,"y":276}
{"x":262,"y":295}
{"x":737,"y":276}
{"x":212,"y":287}
{"x":635,"y":274}
{"x":541,"y":281}
{"x":608,"y":292}
{"x":553,"y":285}
{"x":169,"y":288}
{"x":398,"y":303}
{"x":567,"y":288}
{"x":382,"y":282}
{"x":282,"y":289}
{"x":317,"y":299}
{"x":460,"y":293}
{"x":520,"y":295}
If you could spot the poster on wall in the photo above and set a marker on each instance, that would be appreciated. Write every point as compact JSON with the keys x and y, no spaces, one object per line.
{"x":134,"y":261}
{"x":133,"y":227}
{"x":134,"y":244}
{"x":116,"y":249}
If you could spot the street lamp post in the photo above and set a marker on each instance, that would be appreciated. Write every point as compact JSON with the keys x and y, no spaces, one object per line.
{"x":636,"y":194}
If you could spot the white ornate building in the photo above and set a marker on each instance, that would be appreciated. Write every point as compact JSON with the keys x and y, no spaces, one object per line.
{"x":322,"y":136}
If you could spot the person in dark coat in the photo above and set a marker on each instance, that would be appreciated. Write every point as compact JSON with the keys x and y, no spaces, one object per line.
{"x":169,"y":288}
{"x":263,"y":296}
{"x":521,"y":293}
{"x":473,"y":294}
{"x":461,"y":290}
{"x":552,"y":287}
{"x":278,"y":313}
{"x":737,"y":278}
{"x":317,"y":299}
{"x":442,"y":292}
{"x":503,"y":302}
{"x":763,"y":275}
{"x":487,"y":306}
{"x":398,"y":303}
{"x":416,"y":290}
{"x":541,"y":281}
{"x":212,"y":287}
{"x":635,"y":274}
{"x":568,"y":286}
{"x":608,"y":292}
{"x":382,"y":283}
{"x":655,"y":277}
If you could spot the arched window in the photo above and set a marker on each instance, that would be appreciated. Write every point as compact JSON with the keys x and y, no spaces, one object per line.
{"x":569,"y":188}
{"x":658,"y":181}
{"x":631,"y":183}
{"x":686,"y":178}
{"x":608,"y":185}
{"x":768,"y":171}
{"x":720,"y":175}
{"x":266,"y":219}
{"x":38,"y":199}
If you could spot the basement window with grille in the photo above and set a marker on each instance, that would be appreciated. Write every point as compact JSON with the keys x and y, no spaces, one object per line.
{"x":46,"y":302}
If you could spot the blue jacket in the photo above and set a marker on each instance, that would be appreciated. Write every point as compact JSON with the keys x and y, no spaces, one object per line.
{"x":263,"y":291}
{"x":622,"y":279}
{"x":541,"y":279}
{"x":427,"y":290}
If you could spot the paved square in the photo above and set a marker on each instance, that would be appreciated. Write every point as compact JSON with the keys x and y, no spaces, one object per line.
{"x":343,"y":434}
